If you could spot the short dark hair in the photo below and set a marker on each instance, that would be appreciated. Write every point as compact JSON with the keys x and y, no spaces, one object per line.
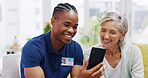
{"x":63,"y":7}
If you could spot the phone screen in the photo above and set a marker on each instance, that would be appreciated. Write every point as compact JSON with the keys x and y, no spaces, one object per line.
{"x":96,"y":56}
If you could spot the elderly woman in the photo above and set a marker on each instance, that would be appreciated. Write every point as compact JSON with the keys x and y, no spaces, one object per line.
{"x":122,"y":60}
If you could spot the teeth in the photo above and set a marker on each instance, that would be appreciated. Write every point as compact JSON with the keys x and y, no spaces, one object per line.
{"x":68,"y":36}
{"x":107,"y":41}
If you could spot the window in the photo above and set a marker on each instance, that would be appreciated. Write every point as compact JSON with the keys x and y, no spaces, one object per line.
{"x":97,"y":8}
{"x":140,"y":21}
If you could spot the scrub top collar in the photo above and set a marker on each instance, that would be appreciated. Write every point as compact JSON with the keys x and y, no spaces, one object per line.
{"x":49,"y":45}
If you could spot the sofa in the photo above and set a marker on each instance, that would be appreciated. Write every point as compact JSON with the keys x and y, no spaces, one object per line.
{"x":11,"y":63}
{"x":11,"y":66}
{"x":144,"y":49}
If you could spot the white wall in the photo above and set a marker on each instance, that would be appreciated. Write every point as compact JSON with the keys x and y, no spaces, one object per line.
{"x":46,"y":11}
{"x":2,"y":27}
{"x":31,"y":20}
{"x":12,"y":20}
{"x":21,"y":18}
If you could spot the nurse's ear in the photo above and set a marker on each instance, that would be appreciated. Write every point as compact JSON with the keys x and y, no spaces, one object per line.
{"x":53,"y":21}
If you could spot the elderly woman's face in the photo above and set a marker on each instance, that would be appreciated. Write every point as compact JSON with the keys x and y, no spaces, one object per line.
{"x":110,"y":34}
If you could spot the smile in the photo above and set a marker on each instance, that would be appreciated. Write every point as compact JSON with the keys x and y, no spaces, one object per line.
{"x":68,"y":36}
{"x":107,"y":41}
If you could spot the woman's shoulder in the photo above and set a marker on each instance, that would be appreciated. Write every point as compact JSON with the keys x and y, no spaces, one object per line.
{"x":130,"y":49}
{"x":131,"y":46}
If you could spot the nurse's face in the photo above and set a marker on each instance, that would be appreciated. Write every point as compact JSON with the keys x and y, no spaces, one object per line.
{"x":65,"y":26}
{"x":110,"y":34}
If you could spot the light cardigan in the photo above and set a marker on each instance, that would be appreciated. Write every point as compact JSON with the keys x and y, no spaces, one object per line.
{"x":131,"y":62}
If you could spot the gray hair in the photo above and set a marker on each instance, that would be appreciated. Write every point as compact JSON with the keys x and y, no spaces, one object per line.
{"x":120,"y":20}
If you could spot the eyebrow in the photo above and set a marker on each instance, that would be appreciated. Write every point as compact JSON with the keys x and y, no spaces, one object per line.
{"x":69,"y":22}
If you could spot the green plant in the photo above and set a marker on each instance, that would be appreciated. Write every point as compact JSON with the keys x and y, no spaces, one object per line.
{"x":29,"y":39}
{"x":47,"y":27}
{"x":91,"y":37}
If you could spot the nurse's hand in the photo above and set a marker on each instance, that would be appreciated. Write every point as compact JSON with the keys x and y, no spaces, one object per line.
{"x":95,"y":72}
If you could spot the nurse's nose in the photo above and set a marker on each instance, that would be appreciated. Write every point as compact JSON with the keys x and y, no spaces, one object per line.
{"x":71,"y":30}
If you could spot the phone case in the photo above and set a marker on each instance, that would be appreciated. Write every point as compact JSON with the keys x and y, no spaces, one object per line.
{"x":96,"y":56}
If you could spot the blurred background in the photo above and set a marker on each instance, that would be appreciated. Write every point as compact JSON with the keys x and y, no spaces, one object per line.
{"x":24,"y":19}
{"x":20,"y":20}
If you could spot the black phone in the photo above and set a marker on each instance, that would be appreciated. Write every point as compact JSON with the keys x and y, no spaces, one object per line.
{"x":96,"y":56}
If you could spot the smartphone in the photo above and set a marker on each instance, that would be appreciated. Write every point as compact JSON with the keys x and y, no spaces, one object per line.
{"x":96,"y":56}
